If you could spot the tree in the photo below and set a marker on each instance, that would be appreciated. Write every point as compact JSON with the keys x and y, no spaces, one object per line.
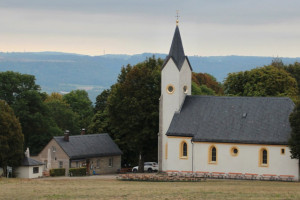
{"x":62,"y":114}
{"x":11,"y":137}
{"x":80,"y":104}
{"x":25,"y":98}
{"x":264,"y":81}
{"x":294,"y":70}
{"x":294,"y":141}
{"x":101,"y":101}
{"x":207,"y":83}
{"x":133,"y":110}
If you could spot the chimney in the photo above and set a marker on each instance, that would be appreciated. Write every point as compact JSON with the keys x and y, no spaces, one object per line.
{"x":82,"y":131}
{"x":67,"y":133}
{"x":27,"y":154}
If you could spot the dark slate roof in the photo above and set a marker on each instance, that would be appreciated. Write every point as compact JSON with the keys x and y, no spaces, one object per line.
{"x":30,"y":162}
{"x":176,"y":51}
{"x":250,"y":120}
{"x":88,"y":146}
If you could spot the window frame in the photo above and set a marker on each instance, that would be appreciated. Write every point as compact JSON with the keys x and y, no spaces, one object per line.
{"x":210,"y":155}
{"x":232,"y":151}
{"x":167,"y":88}
{"x":261,"y":157}
{"x":181,"y":150}
{"x":60,"y":164}
{"x":35,"y":170}
{"x":166,"y":151}
{"x":110,"y":162}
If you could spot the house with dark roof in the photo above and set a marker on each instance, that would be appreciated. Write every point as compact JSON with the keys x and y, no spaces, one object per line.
{"x":219,"y":133}
{"x":29,"y":168}
{"x":97,"y":152}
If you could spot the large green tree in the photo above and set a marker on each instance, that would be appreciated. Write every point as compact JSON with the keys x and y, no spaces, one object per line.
{"x":133,"y":110}
{"x":205,"y":84}
{"x":24,"y":96}
{"x":11,"y":137}
{"x":62,"y":114}
{"x":263,"y":81}
{"x":82,"y":105}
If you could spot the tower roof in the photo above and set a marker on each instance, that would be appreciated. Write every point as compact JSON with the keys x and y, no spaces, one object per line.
{"x":176,"y":51}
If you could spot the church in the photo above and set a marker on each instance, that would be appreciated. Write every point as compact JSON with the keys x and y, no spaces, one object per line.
{"x":220,"y":133}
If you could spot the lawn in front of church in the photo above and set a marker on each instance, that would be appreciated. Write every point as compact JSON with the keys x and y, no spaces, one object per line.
{"x":98,"y":188}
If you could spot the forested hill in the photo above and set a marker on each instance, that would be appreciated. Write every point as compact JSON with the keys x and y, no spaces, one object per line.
{"x":63,"y":72}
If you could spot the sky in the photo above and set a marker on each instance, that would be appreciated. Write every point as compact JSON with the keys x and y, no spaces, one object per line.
{"x":97,"y":27}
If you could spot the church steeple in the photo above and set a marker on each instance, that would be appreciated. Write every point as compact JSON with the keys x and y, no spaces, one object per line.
{"x":176,"y":50}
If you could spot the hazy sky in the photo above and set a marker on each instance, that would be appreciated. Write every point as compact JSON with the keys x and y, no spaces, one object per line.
{"x":208,"y":28}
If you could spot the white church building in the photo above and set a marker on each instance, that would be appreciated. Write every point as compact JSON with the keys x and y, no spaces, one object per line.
{"x":220,"y":133}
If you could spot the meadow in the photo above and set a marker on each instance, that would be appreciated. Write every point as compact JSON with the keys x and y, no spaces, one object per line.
{"x":99,"y":188}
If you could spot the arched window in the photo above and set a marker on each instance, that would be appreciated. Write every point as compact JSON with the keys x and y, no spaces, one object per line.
{"x":263,"y":157}
{"x":212,"y":155}
{"x":183,"y":150}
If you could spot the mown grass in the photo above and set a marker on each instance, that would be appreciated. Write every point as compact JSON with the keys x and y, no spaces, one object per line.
{"x":77,"y":188}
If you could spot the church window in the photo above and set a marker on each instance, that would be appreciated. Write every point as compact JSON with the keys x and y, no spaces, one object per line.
{"x":170,"y":89}
{"x":185,"y":89}
{"x":183,"y":150}
{"x":212,"y":157}
{"x":234,"y":151}
{"x":263,"y":157}
{"x":282,"y":151}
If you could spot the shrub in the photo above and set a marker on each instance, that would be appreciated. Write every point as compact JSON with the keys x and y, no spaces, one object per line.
{"x":77,"y":171}
{"x":57,"y":172}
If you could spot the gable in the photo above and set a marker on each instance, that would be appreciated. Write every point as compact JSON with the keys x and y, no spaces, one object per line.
{"x":256,"y":120}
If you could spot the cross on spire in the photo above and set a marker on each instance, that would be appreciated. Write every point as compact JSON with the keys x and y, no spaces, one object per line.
{"x":177,"y":17}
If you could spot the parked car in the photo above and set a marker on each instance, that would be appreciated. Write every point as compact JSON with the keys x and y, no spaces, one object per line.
{"x":148,"y":167}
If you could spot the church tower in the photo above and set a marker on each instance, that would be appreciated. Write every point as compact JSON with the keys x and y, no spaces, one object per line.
{"x":176,"y":77}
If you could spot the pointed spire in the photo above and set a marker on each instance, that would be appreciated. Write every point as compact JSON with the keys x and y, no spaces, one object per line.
{"x":176,"y":51}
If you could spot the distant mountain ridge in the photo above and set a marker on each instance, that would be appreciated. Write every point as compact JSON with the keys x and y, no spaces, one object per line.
{"x":63,"y":72}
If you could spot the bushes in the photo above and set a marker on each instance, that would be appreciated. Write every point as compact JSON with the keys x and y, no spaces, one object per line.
{"x":57,"y":172}
{"x":77,"y":171}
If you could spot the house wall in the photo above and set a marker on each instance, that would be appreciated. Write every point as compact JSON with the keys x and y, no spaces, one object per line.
{"x":56,"y":156}
{"x":103,"y":167}
{"x":27,"y":172}
{"x":246,"y":161}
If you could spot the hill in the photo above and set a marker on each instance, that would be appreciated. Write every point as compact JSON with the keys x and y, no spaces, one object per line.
{"x":63,"y":72}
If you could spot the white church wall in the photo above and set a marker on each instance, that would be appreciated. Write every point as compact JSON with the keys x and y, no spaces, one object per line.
{"x":185,"y":80}
{"x":174,"y":160}
{"x":247,"y":160}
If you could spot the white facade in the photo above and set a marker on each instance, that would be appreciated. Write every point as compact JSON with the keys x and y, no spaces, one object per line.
{"x":171,"y":102}
{"x":247,"y":160}
{"x":29,"y":171}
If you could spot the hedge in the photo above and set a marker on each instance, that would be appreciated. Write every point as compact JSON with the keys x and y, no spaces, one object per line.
{"x":58,"y":172}
{"x":77,"y":171}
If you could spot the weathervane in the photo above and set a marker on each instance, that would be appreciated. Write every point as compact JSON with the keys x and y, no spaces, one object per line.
{"x":177,"y":17}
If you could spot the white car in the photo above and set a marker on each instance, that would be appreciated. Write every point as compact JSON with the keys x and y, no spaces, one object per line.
{"x":148,"y":167}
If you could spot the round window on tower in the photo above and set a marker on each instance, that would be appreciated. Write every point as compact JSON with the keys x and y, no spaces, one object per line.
{"x":170,"y":89}
{"x":234,"y":151}
{"x":185,"y":89}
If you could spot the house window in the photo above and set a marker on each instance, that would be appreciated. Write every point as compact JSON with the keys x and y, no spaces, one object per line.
{"x":183,"y":150}
{"x":282,"y":151}
{"x":234,"y":151}
{"x":53,"y":149}
{"x":61,"y":164}
{"x":110,"y":162}
{"x":35,"y":170}
{"x":98,"y":163}
{"x":166,"y":151}
{"x":212,"y":155}
{"x":185,"y":89}
{"x":263,"y":157}
{"x":77,"y":164}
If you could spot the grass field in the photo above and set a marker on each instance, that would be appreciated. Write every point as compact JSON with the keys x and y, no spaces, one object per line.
{"x":78,"y":188}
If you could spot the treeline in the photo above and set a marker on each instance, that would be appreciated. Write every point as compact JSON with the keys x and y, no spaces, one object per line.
{"x":129,"y":110}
